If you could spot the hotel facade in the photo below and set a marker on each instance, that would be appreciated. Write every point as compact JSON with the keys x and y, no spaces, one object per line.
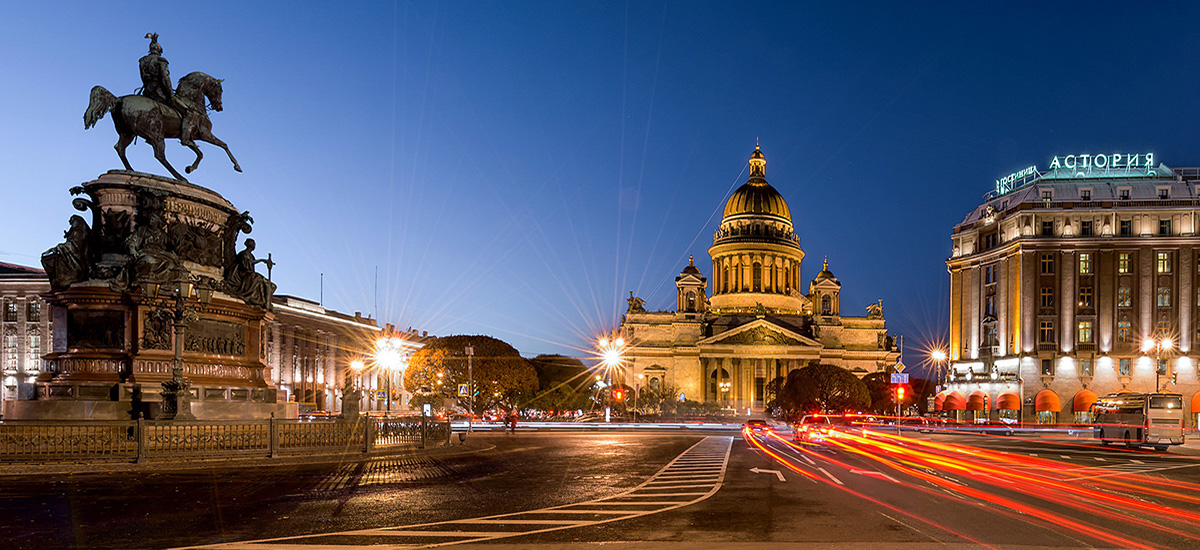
{"x":1071,"y":283}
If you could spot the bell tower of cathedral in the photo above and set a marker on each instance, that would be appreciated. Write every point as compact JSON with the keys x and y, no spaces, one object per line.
{"x":691,"y":286}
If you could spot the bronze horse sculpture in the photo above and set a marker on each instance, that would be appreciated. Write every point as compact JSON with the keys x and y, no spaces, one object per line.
{"x":135,"y":115}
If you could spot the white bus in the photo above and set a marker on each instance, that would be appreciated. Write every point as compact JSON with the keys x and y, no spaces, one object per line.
{"x":1139,"y":419}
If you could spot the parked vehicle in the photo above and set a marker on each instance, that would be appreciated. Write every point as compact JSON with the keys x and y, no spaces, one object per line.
{"x":1139,"y":419}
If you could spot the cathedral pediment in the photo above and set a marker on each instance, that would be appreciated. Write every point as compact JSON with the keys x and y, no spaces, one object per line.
{"x":759,"y":333}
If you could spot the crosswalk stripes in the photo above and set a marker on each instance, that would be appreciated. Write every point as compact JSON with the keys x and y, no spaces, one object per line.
{"x":691,"y":477}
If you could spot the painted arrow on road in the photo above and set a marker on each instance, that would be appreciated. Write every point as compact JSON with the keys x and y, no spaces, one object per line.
{"x":776,"y":472}
{"x":872,"y":473}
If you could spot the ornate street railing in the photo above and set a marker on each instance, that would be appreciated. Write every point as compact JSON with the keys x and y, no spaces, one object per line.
{"x":142,"y":440}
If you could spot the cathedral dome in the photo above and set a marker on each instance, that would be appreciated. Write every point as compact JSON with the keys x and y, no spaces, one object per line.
{"x":756,"y":197}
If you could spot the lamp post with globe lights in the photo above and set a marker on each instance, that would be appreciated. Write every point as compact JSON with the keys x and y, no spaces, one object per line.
{"x":1160,"y":345}
{"x":390,"y":356}
{"x":611,"y":357}
{"x":939,"y":359}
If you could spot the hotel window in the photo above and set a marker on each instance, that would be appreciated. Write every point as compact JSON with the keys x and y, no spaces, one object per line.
{"x":34,"y":312}
{"x":1123,"y":367}
{"x":1046,"y":331}
{"x":1047,"y":229}
{"x":1047,"y":367}
{"x":1124,"y":332}
{"x":1085,"y":194}
{"x":1085,"y":229}
{"x":1124,"y":297}
{"x":1126,"y":228}
{"x":1164,"y":327}
{"x":1164,"y":296}
{"x":10,"y":311}
{"x":989,"y":274}
{"x":1123,"y":194}
{"x":1085,"y":332}
{"x":1085,"y":367}
{"x":991,"y":240}
{"x":1046,"y":195}
{"x":990,"y":337}
{"x":1085,"y":296}
{"x":1047,"y":297}
{"x":989,"y":306}
{"x":1164,"y":192}
{"x":1164,"y":227}
{"x":1047,"y":264}
{"x":1085,"y":263}
{"x":34,"y":353}
{"x":1164,"y":262}
{"x":1124,"y":263}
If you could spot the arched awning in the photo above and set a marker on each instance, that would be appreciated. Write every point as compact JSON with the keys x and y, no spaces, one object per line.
{"x":940,"y":398}
{"x":954,"y":402}
{"x":1008,"y":401}
{"x":1082,"y":402}
{"x":1047,"y":400}
{"x":977,"y":401}
{"x":1196,"y":403}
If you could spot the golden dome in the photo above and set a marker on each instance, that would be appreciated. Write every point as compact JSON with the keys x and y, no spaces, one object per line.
{"x":756,"y":196}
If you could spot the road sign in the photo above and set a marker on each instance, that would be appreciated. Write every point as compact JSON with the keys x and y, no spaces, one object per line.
{"x":462,"y":390}
{"x":426,"y":409}
{"x":899,"y":377}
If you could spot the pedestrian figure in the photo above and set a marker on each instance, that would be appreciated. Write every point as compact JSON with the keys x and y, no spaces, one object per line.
{"x":512,"y":422}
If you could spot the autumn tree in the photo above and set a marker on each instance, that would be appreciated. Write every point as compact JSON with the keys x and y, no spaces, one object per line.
{"x":823,"y":388}
{"x":503,"y":379}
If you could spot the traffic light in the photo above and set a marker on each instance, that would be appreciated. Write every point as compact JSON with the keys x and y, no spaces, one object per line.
{"x":899,"y":393}
{"x":618,"y":395}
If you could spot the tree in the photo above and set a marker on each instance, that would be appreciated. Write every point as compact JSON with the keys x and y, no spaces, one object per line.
{"x":823,"y":388}
{"x":564,"y":383}
{"x":882,"y":392}
{"x":502,"y":377}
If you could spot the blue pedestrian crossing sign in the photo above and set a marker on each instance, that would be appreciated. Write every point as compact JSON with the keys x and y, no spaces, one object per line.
{"x":463,"y":391}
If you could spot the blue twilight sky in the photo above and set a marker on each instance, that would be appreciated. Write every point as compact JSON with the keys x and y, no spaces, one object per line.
{"x":516,"y":168}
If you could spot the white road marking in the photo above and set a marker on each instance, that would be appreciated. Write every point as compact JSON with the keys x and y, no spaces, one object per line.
{"x":762,"y":471}
{"x":830,"y":476}
{"x":1098,"y":459}
{"x":1068,"y":457}
{"x":1136,"y":461}
{"x":713,"y":450}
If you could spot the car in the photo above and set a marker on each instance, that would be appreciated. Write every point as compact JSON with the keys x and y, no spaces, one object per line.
{"x":814,"y":428}
{"x":756,"y":425}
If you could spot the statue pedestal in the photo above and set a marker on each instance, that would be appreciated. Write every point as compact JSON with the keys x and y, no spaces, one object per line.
{"x":115,"y":326}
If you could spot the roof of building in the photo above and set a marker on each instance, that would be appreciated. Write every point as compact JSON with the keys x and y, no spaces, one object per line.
{"x":825,"y":272}
{"x":14,"y":269}
{"x":756,"y":196}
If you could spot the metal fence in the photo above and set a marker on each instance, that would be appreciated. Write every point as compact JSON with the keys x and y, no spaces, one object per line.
{"x":143,"y":440}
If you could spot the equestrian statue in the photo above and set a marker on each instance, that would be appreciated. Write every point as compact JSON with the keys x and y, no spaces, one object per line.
{"x":157,"y":112}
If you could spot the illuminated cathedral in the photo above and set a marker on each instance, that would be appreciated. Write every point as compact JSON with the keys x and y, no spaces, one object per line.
{"x":757,"y":324}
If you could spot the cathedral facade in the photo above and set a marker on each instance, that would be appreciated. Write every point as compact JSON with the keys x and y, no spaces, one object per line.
{"x":757,"y":324}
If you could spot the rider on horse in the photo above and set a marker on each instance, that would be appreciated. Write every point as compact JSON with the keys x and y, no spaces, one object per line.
{"x":156,"y":85}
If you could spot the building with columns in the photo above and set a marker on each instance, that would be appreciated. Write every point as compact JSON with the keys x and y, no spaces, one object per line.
{"x":24,"y":330}
{"x":1059,"y":277}
{"x":757,"y":324}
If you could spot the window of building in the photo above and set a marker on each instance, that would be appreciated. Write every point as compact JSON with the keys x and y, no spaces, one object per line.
{"x":1126,"y":228}
{"x":1085,"y":194}
{"x":1164,"y":296}
{"x":1047,"y":297}
{"x":989,"y":306}
{"x":10,"y":311}
{"x":34,"y":312}
{"x":991,"y":240}
{"x":1162,"y":367}
{"x":1085,"y":296}
{"x":1085,"y":332}
{"x":1085,"y":367}
{"x":1046,"y":195}
{"x":1085,"y":228}
{"x":725,"y":279}
{"x":757,"y":275}
{"x":33,"y":355}
{"x":1085,"y":263}
{"x":1123,"y":194}
{"x":1047,"y":264}
{"x":1164,"y":327}
{"x":826,"y":306}
{"x":1123,"y":367}
{"x":1164,"y":192}
{"x":1124,"y":297}
{"x":1124,"y":262}
{"x":1124,"y":332}
{"x":1047,"y":369}
{"x":990,"y":338}
{"x":1047,"y":229}
{"x":1164,"y":262}
{"x":10,"y":352}
{"x":989,"y":274}
{"x":1046,"y":331}
{"x":1164,"y":227}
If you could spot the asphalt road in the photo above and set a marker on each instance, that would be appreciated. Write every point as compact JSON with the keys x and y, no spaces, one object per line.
{"x":646,"y":490}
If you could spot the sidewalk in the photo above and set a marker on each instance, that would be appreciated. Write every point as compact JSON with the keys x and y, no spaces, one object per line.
{"x":55,"y":468}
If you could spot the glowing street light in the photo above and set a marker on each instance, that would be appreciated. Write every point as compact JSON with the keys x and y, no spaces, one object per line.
{"x":389,"y":355}
{"x":611,"y":357}
{"x":1158,"y":346}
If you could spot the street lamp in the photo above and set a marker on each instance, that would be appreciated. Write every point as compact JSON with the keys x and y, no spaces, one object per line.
{"x":176,"y":395}
{"x":611,"y":351}
{"x":636,"y":389}
{"x":1159,"y":345}
{"x":389,"y":354}
{"x":939,"y":358}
